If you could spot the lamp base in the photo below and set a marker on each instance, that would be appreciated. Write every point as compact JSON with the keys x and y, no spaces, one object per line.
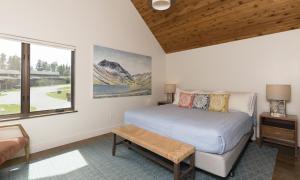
{"x":278,"y":108}
{"x":278,"y":115}
{"x":170,"y":98}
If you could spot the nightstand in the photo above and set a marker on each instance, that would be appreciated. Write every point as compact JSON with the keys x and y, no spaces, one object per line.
{"x":162,"y":103}
{"x":279,"y":130}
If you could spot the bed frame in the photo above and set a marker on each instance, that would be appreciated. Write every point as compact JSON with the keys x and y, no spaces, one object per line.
{"x":222,"y":165}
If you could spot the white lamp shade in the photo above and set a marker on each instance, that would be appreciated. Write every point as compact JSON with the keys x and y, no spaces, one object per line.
{"x":161,"y":4}
{"x":278,"y":92}
{"x":170,"y":88}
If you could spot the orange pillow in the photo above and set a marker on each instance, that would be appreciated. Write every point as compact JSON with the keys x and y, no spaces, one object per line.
{"x":186,"y":100}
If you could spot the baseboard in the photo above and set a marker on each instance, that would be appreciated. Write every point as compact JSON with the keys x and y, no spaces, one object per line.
{"x":67,"y":140}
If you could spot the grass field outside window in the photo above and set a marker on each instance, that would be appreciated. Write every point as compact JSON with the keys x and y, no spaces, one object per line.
{"x":11,"y":109}
{"x":61,"y":93}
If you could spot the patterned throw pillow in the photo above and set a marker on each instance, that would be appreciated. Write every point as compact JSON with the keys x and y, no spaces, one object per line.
{"x":186,"y":100}
{"x":201,"y":101}
{"x":177,"y":94}
{"x":218,"y":102}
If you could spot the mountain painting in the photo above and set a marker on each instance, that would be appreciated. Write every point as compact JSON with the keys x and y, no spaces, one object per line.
{"x":118,"y":73}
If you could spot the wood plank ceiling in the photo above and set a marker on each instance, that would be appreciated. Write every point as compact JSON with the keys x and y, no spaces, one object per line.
{"x":191,"y":24}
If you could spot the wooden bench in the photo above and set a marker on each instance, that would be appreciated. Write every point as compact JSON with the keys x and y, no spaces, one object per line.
{"x":172,"y":150}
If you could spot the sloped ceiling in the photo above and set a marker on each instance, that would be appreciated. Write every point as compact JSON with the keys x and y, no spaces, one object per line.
{"x":191,"y":24}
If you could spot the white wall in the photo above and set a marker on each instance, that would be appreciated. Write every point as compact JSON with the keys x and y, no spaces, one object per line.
{"x":110,"y":23}
{"x":246,"y":65}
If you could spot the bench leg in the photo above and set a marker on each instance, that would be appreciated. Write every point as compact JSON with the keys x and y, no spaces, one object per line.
{"x":192,"y":164}
{"x":176,"y":171}
{"x":114,"y":145}
{"x":27,"y":152}
{"x":129,"y":142}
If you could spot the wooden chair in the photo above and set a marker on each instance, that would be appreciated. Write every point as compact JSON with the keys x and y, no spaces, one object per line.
{"x":13,"y":138}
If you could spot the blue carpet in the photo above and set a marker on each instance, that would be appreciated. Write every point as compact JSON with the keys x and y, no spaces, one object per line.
{"x":93,"y":161}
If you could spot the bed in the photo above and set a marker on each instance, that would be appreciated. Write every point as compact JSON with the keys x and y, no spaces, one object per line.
{"x":219,"y":138}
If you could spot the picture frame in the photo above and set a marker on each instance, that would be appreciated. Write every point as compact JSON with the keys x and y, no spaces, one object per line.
{"x":119,"y":73}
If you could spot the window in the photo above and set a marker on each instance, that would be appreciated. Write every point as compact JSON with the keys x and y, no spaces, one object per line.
{"x":50,"y":78}
{"x":35,"y":79}
{"x":10,"y":77}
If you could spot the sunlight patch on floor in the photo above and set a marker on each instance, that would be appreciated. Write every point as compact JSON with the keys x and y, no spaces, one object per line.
{"x":58,"y":165}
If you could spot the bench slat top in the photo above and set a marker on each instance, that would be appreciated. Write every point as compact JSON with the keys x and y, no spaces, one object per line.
{"x":170,"y":149}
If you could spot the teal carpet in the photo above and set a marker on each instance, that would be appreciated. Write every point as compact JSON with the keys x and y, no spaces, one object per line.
{"x":93,"y":161}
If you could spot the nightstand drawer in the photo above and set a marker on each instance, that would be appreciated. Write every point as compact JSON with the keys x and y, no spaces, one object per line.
{"x":278,"y":133}
{"x":278,"y":123}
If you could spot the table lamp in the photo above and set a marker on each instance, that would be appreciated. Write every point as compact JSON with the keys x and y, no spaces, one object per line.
{"x":170,"y":90}
{"x":278,"y":95}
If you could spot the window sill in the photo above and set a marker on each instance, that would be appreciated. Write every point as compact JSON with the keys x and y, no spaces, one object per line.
{"x":34,"y":115}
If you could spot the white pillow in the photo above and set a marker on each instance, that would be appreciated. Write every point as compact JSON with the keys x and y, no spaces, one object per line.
{"x":213,"y":92}
{"x":177,"y":94}
{"x":243,"y":102}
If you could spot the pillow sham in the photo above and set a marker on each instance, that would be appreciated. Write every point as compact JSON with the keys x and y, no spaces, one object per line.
{"x":218,"y":102}
{"x":177,"y":94}
{"x":243,"y":102}
{"x":186,"y":100}
{"x":201,"y":101}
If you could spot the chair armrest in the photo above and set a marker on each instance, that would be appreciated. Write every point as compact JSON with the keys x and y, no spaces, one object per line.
{"x":20,"y":127}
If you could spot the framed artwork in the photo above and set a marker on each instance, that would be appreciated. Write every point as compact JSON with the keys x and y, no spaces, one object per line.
{"x":119,"y":73}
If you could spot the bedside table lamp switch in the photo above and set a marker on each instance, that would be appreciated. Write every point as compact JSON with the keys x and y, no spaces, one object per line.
{"x":278,"y":95}
{"x":170,"y":90}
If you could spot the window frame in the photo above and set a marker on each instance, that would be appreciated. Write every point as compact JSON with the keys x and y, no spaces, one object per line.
{"x":25,"y":88}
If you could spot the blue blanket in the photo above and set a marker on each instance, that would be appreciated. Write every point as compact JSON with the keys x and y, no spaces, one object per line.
{"x":211,"y":132}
